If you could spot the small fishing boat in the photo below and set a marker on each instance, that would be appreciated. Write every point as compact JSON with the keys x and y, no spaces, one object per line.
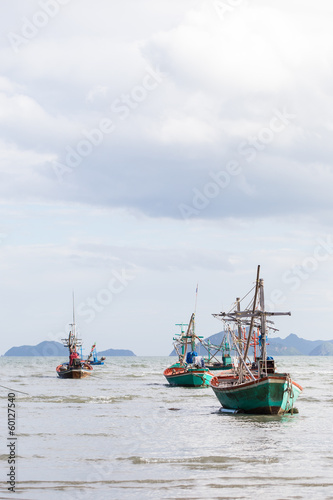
{"x":257,"y":387}
{"x":92,"y":359}
{"x":190,"y":370}
{"x":76,"y":367}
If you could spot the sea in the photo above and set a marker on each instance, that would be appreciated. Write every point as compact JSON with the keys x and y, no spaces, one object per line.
{"x":124,"y":433}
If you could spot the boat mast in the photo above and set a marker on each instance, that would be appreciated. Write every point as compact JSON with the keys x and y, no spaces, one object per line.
{"x":74,"y":333}
{"x":257,"y":316}
{"x":263,"y":326}
{"x":181,"y":341}
{"x":252,"y":319}
{"x":193,"y":320}
{"x":196,"y":299}
{"x":190,"y":334}
{"x":239,"y":326}
{"x":72,"y":341}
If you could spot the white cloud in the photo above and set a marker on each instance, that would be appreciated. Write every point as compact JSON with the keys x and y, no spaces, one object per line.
{"x":186,"y":130}
{"x":172,"y":143}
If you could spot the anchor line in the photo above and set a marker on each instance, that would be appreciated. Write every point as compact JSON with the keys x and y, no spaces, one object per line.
{"x":11,"y":389}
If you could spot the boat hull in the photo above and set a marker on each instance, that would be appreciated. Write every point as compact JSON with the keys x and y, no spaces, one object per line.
{"x":218,"y":367}
{"x":188,"y":377}
{"x":73,"y":372}
{"x":270,"y":395}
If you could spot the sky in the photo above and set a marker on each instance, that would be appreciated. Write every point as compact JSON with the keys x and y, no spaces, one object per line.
{"x":150,"y":146}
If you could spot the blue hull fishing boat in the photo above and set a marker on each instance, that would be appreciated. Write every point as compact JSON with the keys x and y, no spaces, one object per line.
{"x":93,"y":359}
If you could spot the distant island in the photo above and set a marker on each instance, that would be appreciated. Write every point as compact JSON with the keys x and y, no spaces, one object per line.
{"x":290,"y":346}
{"x":51,"y":348}
{"x":116,"y":352}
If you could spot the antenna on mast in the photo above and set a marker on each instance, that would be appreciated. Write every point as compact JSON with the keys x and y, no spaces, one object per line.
{"x":196,"y":299}
{"x":73,"y":325}
{"x":73,"y":310}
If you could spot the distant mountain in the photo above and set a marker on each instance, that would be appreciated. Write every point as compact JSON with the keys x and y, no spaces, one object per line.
{"x":281,"y":349}
{"x":116,"y":352}
{"x":290,"y":346}
{"x":45,"y":348}
{"x":48,"y":348}
{"x":325,"y":349}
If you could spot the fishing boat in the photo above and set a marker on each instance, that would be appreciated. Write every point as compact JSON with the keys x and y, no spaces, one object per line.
{"x":92,"y":359}
{"x":212,"y":362}
{"x":189,"y":371}
{"x":76,"y":367}
{"x":256,"y":387}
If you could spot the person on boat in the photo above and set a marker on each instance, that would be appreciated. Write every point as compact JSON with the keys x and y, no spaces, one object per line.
{"x":199,"y":362}
{"x":73,"y":355}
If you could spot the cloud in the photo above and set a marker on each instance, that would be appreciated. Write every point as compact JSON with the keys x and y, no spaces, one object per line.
{"x":171,"y":137}
{"x":159,"y":258}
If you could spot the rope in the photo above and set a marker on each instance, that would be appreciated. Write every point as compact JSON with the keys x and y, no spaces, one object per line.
{"x":235,"y":303}
{"x":14,"y":390}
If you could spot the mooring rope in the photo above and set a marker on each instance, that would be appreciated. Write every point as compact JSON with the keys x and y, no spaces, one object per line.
{"x":14,"y":390}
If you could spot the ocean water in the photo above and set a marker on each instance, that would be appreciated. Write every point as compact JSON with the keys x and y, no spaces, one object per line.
{"x":124,"y":433}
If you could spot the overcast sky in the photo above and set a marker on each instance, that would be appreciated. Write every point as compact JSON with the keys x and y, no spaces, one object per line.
{"x":147,"y":146}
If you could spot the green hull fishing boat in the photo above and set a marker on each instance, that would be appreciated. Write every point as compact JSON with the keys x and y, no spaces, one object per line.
{"x":257,"y":387}
{"x":271,"y":395}
{"x":211,"y":360}
{"x":177,"y":374}
{"x":190,"y":370}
